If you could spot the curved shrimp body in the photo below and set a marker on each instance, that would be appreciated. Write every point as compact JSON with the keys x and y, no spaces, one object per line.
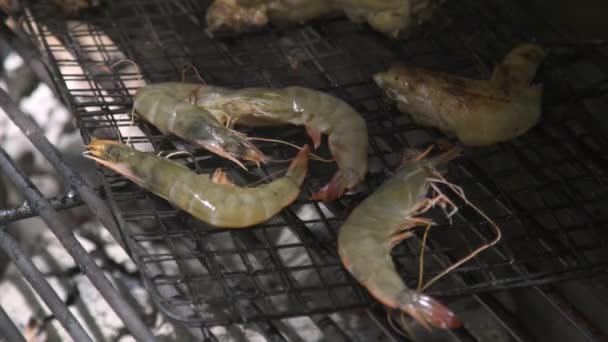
{"x":379,"y":223}
{"x":478,"y":112}
{"x":212,"y":200}
{"x":168,"y":106}
{"x":321,"y":113}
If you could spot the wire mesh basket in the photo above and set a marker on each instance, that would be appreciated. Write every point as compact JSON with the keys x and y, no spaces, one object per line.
{"x":546,"y":189}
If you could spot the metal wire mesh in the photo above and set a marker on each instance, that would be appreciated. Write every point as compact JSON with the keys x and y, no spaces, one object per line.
{"x":546,"y":190}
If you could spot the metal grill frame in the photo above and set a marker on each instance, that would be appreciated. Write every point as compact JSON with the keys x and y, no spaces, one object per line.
{"x":37,"y":204}
{"x":325,"y":47}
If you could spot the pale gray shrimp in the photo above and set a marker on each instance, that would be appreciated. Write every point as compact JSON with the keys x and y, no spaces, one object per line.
{"x":478,"y":112}
{"x":214,"y":200}
{"x":168,"y":107}
{"x":319,"y":112}
{"x":379,"y":223}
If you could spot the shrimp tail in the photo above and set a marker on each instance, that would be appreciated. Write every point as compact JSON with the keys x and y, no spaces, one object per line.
{"x":299,"y":166}
{"x":335,"y":188}
{"x":428,"y":311}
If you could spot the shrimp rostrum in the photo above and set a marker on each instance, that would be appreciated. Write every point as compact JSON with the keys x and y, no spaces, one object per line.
{"x":478,"y":112}
{"x":379,"y":223}
{"x":214,"y":200}
{"x":319,"y":112}
{"x":168,"y":107}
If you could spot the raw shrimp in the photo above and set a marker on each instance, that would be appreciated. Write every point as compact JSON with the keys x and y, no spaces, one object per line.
{"x":210,"y":199}
{"x":387,"y":16}
{"x":321,"y":114}
{"x":478,"y":112}
{"x":167,"y":106}
{"x":379,"y":223}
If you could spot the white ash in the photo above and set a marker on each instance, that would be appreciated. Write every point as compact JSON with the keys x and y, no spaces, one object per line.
{"x":18,"y":299}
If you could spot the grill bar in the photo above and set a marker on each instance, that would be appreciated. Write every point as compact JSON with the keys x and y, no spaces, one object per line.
{"x":25,"y":210}
{"x":8,"y":330}
{"x":33,"y":132}
{"x":42,"y":287}
{"x":86,"y":263}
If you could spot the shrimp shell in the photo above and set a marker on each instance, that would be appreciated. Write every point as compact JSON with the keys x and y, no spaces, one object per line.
{"x":319,"y":112}
{"x":478,"y":112}
{"x":169,"y":107}
{"x":379,"y":223}
{"x":212,"y":200}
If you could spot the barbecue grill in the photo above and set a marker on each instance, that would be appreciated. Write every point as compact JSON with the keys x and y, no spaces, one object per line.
{"x":547,"y":190}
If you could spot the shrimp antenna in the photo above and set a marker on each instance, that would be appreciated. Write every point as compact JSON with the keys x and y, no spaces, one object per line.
{"x":404,"y":329}
{"x":139,"y":78}
{"x":173,"y":154}
{"x":265,"y":178}
{"x":421,"y":263}
{"x":312,"y":155}
{"x":123,"y":61}
{"x":131,"y":123}
{"x":198,"y":75}
{"x":424,"y":153}
{"x":396,"y":326}
{"x":479,"y":249}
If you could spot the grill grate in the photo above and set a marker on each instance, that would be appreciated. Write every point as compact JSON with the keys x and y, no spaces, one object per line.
{"x":546,"y":189}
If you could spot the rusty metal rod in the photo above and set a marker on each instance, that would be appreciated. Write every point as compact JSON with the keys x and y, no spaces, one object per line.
{"x":35,"y":134}
{"x":25,"y":210}
{"x":33,"y":275}
{"x":87,"y":265}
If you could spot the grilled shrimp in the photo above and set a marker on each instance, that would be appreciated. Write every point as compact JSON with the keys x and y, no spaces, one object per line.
{"x":167,"y":106}
{"x":378,"y":224}
{"x":386,"y":16}
{"x":247,"y":15}
{"x":478,"y":112}
{"x":214,"y":200}
{"x":321,"y":114}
